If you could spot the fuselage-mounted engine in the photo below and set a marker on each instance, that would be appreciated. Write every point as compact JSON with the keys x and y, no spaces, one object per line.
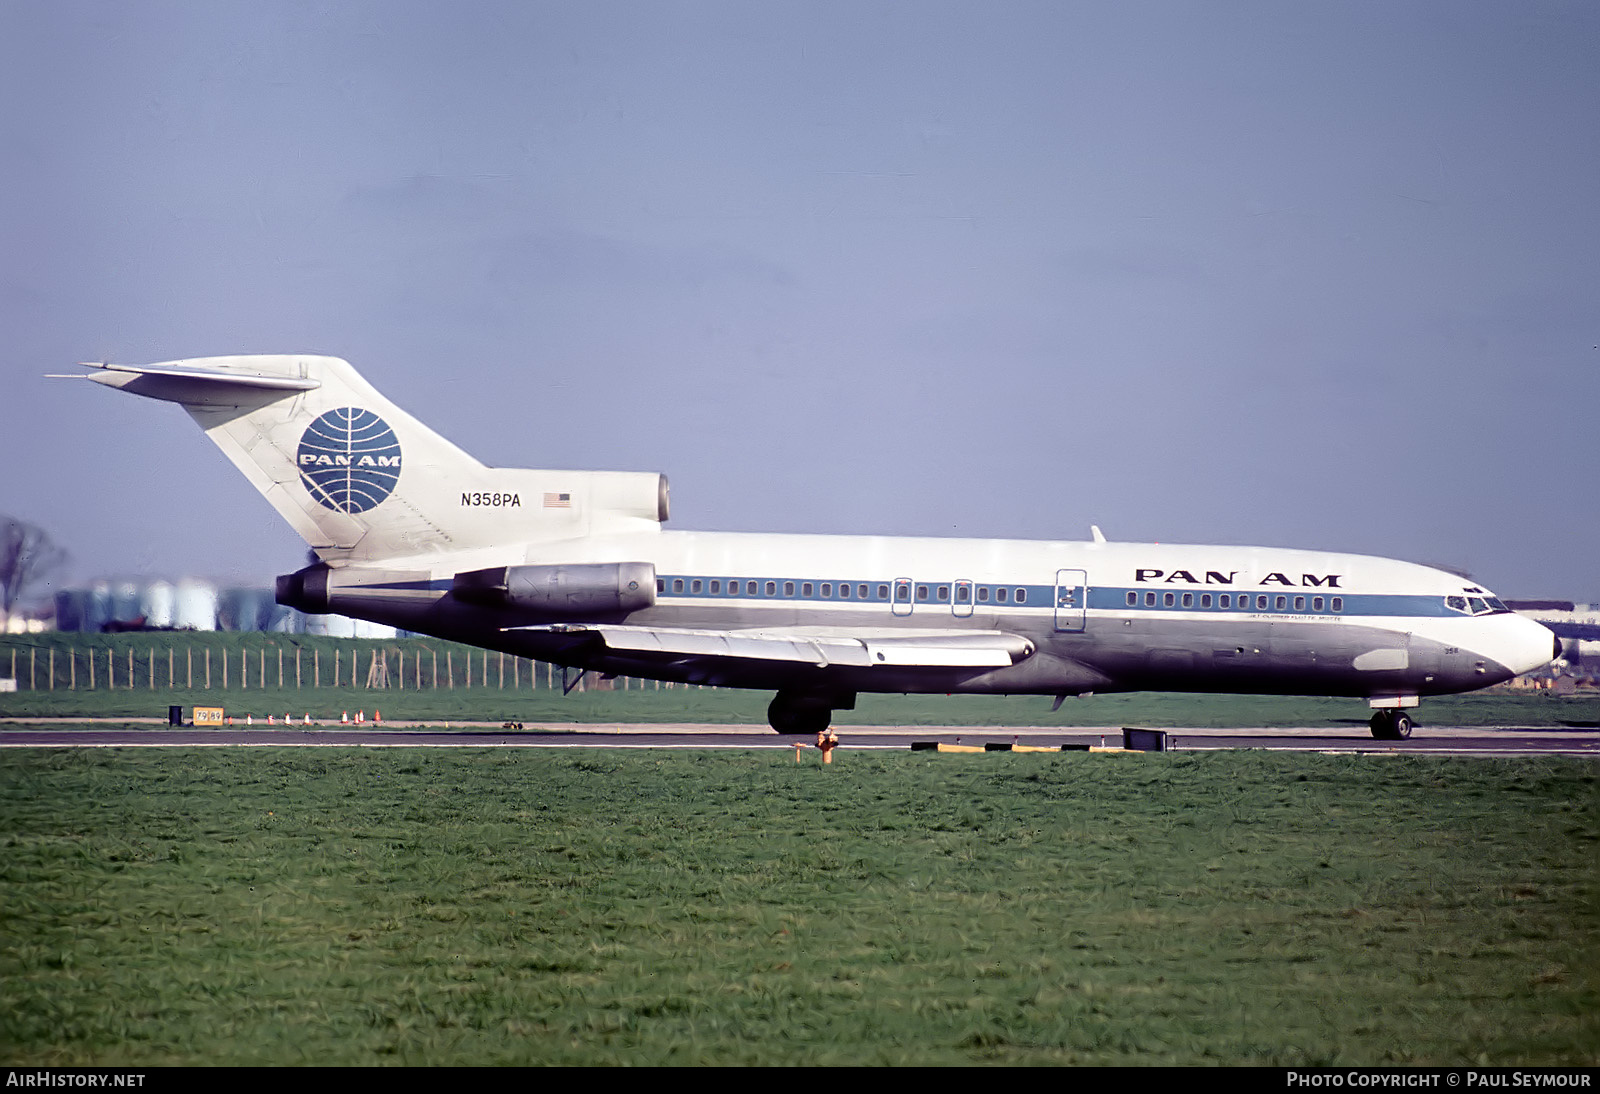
{"x":566,"y":591}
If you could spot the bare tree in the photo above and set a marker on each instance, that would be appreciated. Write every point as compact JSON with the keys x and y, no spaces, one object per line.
{"x":27,"y":555}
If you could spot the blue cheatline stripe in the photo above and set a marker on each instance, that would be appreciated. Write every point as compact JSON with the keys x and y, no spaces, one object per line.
{"x":1106,"y":599}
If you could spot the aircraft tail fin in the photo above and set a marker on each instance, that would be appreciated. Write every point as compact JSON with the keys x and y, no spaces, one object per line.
{"x":362,"y":480}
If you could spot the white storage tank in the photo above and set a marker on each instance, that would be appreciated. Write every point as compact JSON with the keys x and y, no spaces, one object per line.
{"x":364,"y":629}
{"x":331,"y":626}
{"x":195,"y":606}
{"x":159,"y":604}
{"x":99,"y":613}
{"x":125,"y":602}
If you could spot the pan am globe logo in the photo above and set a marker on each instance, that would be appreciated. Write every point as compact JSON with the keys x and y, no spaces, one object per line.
{"x":349,"y":459}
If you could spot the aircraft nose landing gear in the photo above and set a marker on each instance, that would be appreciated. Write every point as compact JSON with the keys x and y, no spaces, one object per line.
{"x":1391,"y":724}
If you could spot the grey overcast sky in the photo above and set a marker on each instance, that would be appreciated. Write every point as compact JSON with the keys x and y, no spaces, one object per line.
{"x":1305,"y":274}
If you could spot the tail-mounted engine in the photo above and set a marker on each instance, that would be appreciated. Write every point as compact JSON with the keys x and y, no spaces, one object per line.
{"x":572,"y":591}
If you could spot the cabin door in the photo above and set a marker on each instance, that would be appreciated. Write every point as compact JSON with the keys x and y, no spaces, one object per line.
{"x":1072,"y":596}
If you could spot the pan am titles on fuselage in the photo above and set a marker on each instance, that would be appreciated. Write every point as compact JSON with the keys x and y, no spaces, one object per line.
{"x":574,"y":567}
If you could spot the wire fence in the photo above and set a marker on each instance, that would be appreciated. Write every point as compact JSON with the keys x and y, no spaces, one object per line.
{"x":190,"y":667}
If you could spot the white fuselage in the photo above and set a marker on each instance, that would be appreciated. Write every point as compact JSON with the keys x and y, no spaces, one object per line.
{"x":1103,"y":616}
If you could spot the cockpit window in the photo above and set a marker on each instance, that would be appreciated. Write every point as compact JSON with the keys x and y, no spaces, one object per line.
{"x":1478,"y":604}
{"x":1456,"y":603}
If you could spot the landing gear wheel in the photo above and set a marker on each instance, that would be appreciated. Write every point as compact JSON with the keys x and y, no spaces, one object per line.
{"x":798,"y":718}
{"x":1391,"y":725}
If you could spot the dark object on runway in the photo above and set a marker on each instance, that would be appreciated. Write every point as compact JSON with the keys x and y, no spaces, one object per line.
{"x":1144,"y":740}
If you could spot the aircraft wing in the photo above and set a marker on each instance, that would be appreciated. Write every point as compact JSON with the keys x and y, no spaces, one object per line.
{"x":821,"y":647}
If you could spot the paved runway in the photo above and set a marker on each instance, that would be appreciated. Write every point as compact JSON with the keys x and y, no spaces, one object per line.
{"x":133,"y":733}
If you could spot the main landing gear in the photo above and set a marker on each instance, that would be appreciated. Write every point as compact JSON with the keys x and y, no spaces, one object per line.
{"x":803,"y":712}
{"x":1391,"y":724}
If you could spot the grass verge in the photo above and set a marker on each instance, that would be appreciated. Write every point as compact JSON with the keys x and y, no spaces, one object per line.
{"x":270,"y":906}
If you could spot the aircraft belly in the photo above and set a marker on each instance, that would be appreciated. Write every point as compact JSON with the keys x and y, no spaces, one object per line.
{"x":1273,"y":656}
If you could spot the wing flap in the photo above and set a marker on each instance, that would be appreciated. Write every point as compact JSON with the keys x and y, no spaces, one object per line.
{"x":931,"y":649}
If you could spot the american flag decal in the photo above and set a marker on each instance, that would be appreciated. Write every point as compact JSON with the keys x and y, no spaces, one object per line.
{"x":558,"y":501}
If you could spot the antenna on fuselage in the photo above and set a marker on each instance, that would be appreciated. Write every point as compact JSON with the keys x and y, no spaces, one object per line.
{"x":1099,"y":536}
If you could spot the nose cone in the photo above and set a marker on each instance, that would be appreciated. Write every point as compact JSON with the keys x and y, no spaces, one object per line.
{"x":1516,"y":643}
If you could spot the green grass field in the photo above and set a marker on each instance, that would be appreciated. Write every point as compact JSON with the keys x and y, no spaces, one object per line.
{"x":279,"y":906}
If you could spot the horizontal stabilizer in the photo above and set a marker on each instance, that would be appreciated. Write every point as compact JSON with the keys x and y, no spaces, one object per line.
{"x":196,"y":385}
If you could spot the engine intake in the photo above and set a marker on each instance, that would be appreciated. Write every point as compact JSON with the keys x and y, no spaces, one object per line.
{"x":568,"y":591}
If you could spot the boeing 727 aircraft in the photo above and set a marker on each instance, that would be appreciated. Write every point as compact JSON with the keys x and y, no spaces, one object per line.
{"x":574,"y":568}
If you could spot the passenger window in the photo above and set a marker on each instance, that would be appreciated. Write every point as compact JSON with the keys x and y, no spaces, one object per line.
{"x":1316,"y":603}
{"x":983,"y":594}
{"x":716,"y":586}
{"x":1133,"y":600}
{"x":844,"y":591}
{"x":1149,"y":600}
{"x":861,"y":591}
{"x":922,"y":592}
{"x":944,"y":593}
{"x":788,"y":588}
{"x":1167,"y":600}
{"x":1224,"y":600}
{"x":661,"y":584}
{"x":883,"y":592}
{"x":1000,"y":595}
{"x":805,"y":589}
{"x":1205,"y":600}
{"x":772,"y":588}
{"x":1188,"y":600}
{"x":1338,"y":603}
{"x":1022,"y":595}
{"x":677,"y":584}
{"x":1261,"y":603}
{"x":694,"y":586}
{"x":827,"y":589}
{"x":963,"y":594}
{"x":1299,"y":603}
